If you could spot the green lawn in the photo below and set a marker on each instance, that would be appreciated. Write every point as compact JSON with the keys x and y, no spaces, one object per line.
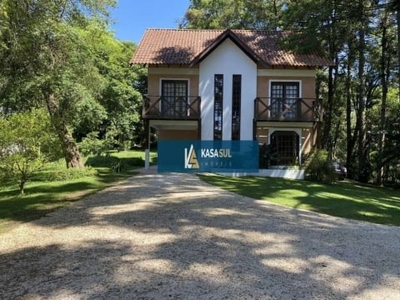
{"x":55,"y":186}
{"x":344,"y":199}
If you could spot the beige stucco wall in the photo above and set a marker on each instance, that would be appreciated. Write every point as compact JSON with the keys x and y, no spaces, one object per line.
{"x":177,"y":135}
{"x":155,"y":75}
{"x":308,"y":140}
{"x":307,"y":84}
{"x":262,"y":135}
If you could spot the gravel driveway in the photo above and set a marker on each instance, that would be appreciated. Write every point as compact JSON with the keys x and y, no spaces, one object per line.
{"x":175,"y":237}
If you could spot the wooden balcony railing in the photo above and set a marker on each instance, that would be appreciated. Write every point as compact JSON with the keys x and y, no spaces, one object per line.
{"x":287,"y":109}
{"x":171,"y":107}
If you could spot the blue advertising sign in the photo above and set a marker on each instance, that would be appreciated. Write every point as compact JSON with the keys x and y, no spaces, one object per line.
{"x":207,"y":156}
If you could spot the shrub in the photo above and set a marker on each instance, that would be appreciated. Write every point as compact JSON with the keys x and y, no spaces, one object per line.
{"x":64,"y":174}
{"x":320,"y":169}
{"x":27,"y":142}
{"x":102,"y":161}
{"x":91,"y":145}
{"x":115,"y":163}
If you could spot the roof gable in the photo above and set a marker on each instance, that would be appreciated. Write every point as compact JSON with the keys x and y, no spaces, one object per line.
{"x":189,"y":47}
{"x":227,"y":34}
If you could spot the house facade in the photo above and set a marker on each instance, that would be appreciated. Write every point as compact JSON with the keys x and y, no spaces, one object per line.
{"x":231,"y":85}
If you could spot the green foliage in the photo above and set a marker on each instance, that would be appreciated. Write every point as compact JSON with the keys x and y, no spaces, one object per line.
{"x":48,"y":62}
{"x":239,"y":14}
{"x":63,"y":174}
{"x":320,"y":169}
{"x":92,"y":145}
{"x":26,"y":143}
{"x":114,"y":163}
{"x":119,"y":98}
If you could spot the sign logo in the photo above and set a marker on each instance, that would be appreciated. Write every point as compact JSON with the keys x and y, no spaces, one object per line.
{"x":196,"y":156}
{"x":191,"y":161}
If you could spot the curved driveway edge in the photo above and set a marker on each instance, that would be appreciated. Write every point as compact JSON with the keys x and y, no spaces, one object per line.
{"x":172,"y":236}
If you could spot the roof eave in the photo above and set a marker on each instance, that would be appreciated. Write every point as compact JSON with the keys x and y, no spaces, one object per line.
{"x":235,"y":39}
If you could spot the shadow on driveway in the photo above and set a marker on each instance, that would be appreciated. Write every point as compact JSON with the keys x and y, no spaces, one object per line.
{"x":172,"y":236}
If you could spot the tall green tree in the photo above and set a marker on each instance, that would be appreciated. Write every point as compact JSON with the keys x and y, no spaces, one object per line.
{"x":238,"y":14}
{"x":119,"y":103}
{"x":119,"y":98}
{"x":47,"y":61}
{"x":394,"y":7}
{"x":330,"y":27}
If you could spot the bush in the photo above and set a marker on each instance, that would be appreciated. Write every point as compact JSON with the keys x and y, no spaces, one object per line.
{"x":320,"y":169}
{"x":27,"y":142}
{"x":115,"y":163}
{"x":102,"y":161}
{"x":91,"y":145}
{"x":64,"y":174}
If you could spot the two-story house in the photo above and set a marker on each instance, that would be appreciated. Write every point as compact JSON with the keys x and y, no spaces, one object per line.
{"x":231,"y":85}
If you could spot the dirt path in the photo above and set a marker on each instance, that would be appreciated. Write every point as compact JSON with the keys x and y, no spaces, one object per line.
{"x":175,"y":237}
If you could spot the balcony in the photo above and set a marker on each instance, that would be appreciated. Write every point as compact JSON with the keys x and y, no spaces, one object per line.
{"x":287,"y":109}
{"x":171,"y":107}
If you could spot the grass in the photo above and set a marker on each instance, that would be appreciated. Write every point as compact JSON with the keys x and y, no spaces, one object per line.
{"x":55,"y":186}
{"x":344,"y":199}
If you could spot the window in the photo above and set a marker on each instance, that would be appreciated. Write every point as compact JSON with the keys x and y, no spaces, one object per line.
{"x":284,"y":98}
{"x":174,"y":98}
{"x":218,"y":105}
{"x":236,"y":105}
{"x":286,"y":143}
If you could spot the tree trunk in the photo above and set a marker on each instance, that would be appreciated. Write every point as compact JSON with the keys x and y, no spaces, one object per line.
{"x":21,"y":186}
{"x":350,"y":144}
{"x":382,"y":127}
{"x":328,"y":114}
{"x":362,"y":135}
{"x":335,"y":136}
{"x":70,"y":149}
{"x":398,"y":45}
{"x":327,"y":142}
{"x":351,"y":139}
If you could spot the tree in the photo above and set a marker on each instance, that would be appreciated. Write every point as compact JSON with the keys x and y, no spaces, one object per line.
{"x":48,"y":62}
{"x":394,"y":7}
{"x":238,"y":14}
{"x":120,"y":99}
{"x":26,"y":144}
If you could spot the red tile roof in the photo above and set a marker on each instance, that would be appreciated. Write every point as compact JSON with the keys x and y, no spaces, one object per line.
{"x":187,"y":46}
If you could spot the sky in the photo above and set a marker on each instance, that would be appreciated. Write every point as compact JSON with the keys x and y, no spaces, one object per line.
{"x":132,"y":17}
